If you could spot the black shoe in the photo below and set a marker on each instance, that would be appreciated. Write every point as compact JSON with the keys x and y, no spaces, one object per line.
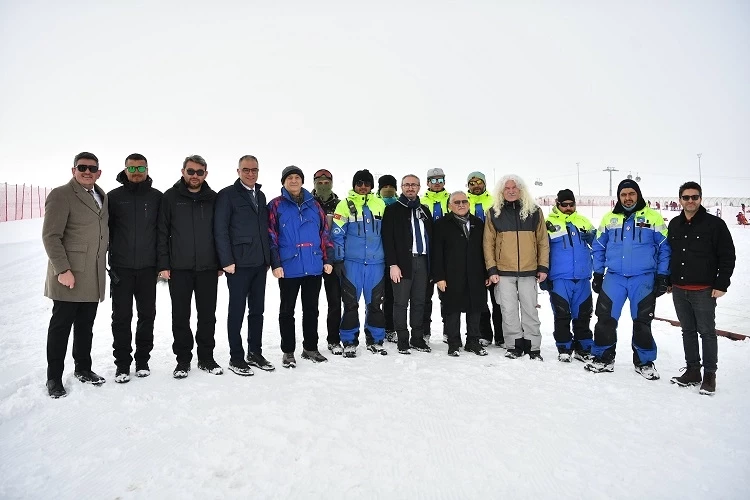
{"x":258,"y":361}
{"x":475,"y":347}
{"x":181,"y":370}
{"x":377,"y":348}
{"x":391,"y":336}
{"x":89,"y":377}
{"x":536,"y":356}
{"x":404,"y":350}
{"x":513,"y":353}
{"x":210,"y":366}
{"x":313,"y":356}
{"x":142,"y":370}
{"x":239,"y":367}
{"x":454,"y":351}
{"x":55,"y":389}
{"x":122,"y":375}
{"x":420,"y":345}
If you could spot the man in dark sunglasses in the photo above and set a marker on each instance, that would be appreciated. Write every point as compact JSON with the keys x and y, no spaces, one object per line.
{"x":186,"y":257}
{"x":631,"y":246}
{"x":702,"y":263}
{"x":569,"y":281}
{"x":436,"y":199}
{"x":133,"y":218}
{"x":75,"y":236}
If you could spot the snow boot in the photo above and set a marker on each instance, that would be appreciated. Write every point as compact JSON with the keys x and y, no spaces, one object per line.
{"x":313,"y":356}
{"x":598,"y":365}
{"x":258,"y":361}
{"x":582,"y":355}
{"x":475,"y":346}
{"x":708,"y":387}
{"x":536,"y":356}
{"x":336,"y":349}
{"x":377,"y":348}
{"x":565,"y":357}
{"x":210,"y":366}
{"x":690,"y":376}
{"x":122,"y":375}
{"x":89,"y":377}
{"x":350,"y":351}
{"x":647,"y":371}
{"x":288,"y":361}
{"x":240,"y":367}
{"x":420,"y":345}
{"x":181,"y":370}
{"x":142,"y":370}
{"x":513,"y":353}
{"x":55,"y":389}
{"x":391,"y":336}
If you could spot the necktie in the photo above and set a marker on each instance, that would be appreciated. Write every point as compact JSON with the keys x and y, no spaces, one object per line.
{"x":417,"y":231}
{"x":255,"y":200}
{"x":91,"y":192}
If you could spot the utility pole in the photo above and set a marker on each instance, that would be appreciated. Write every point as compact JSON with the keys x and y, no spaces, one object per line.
{"x":578,"y":169}
{"x":610,"y":170}
{"x":700,"y":177}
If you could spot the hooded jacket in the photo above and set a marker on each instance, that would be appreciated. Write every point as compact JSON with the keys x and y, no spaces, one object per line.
{"x":186,"y":236}
{"x":357,"y":225}
{"x":570,"y":238}
{"x":437,"y":202}
{"x":480,"y":204}
{"x":133,"y":219}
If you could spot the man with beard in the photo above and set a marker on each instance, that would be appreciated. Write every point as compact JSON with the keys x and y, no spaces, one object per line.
{"x":328,"y":200}
{"x":457,"y":268}
{"x":480,"y":202}
{"x":632,"y":247}
{"x":359,"y":262}
{"x":569,"y":280}
{"x":407,"y":229}
{"x":187,"y":258}
{"x":133,"y":217}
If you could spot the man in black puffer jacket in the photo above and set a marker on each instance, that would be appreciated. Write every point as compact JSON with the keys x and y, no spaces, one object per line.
{"x":133,"y":215}
{"x":187,"y":258}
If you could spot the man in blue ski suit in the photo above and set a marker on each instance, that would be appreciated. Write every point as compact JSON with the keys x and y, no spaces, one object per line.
{"x":359,"y":262}
{"x":632,"y":246}
{"x":569,"y":280}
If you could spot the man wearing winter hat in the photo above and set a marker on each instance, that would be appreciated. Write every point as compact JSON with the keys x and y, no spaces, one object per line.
{"x":569,"y":281}
{"x":301,"y":251}
{"x":436,"y":199}
{"x":387,"y":192}
{"x":632,"y":247}
{"x":359,"y":262}
{"x":480,"y":202}
{"x":324,"y":195}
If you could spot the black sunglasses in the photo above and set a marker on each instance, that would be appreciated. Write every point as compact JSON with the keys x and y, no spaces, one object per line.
{"x":133,"y":169}
{"x":362,"y":183}
{"x":567,"y":203}
{"x":694,"y":197}
{"x":91,"y":168}
{"x":460,"y":202}
{"x":191,"y":171}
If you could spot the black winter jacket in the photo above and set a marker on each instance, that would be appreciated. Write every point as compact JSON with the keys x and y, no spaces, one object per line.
{"x":702,"y":251}
{"x":133,"y":216}
{"x":241,"y":228}
{"x":186,"y":237}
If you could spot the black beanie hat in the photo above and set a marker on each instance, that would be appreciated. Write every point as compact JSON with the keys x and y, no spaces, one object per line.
{"x":565,"y":195}
{"x":363,"y":175}
{"x":386,"y":180}
{"x":629,"y":183}
{"x":639,"y":205}
{"x":291,"y":169}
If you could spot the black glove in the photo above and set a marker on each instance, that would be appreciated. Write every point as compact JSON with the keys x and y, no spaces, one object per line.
{"x":587,"y":236}
{"x":661,"y":284}
{"x":546,"y":285}
{"x":596,"y":283}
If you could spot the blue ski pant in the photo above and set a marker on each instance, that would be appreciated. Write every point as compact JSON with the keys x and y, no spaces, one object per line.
{"x":639,"y":291}
{"x":571,"y":301}
{"x":359,"y":279}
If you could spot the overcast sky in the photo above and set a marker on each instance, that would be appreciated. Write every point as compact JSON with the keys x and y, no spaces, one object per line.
{"x":396,"y":87}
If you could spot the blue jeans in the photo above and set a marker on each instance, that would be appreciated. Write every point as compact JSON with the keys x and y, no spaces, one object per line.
{"x":696,"y":310}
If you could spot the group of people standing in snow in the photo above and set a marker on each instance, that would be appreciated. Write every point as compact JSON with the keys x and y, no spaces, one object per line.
{"x":393,"y":249}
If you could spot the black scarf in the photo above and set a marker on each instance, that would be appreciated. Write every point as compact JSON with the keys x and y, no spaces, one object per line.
{"x":462,"y":222}
{"x":415,"y":203}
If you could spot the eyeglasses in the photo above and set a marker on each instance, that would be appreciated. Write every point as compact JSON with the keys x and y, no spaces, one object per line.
{"x":478,"y":182}
{"x":200,"y":172}
{"x":460,"y":202}
{"x":436,"y":180}
{"x":360,"y":184}
{"x":133,"y":169}
{"x":91,"y":168}
{"x":249,"y":171}
{"x":567,"y":203}
{"x":694,"y":197}
{"x":410,"y":185}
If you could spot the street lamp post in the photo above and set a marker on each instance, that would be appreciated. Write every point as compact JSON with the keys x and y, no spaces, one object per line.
{"x":700,"y":176}
{"x":610,"y":170}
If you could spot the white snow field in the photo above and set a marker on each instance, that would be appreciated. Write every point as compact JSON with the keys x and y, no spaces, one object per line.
{"x":419,"y":426}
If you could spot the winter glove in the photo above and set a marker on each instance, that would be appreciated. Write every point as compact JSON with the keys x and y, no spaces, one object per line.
{"x":596,"y":283}
{"x":546,"y":285}
{"x":661,"y":284}
{"x":587,"y":236}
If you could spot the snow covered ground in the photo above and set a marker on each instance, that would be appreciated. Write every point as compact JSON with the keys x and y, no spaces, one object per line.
{"x":419,"y":426}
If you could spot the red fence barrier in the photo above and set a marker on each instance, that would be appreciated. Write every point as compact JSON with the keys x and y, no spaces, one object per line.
{"x":19,"y":201}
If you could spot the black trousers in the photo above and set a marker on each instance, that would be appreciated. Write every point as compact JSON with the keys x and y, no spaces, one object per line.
{"x":246,"y":286}
{"x":141,"y":284}
{"x":289,"y":288}
{"x":388,"y":301}
{"x":80,"y":316}
{"x":452,"y":325}
{"x":333,"y":296}
{"x":182,"y":285}
{"x":485,"y":325}
{"x":410,"y":294}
